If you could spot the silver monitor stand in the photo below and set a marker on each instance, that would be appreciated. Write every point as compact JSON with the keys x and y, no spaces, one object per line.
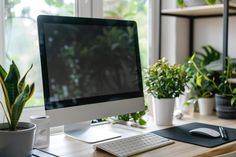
{"x":90,"y":133}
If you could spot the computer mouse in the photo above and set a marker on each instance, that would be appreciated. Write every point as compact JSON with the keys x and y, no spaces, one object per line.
{"x":205,"y":132}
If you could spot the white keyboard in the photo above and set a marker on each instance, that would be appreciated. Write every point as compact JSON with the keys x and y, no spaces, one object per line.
{"x":133,"y":145}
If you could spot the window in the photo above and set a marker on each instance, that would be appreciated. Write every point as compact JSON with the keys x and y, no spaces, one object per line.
{"x":131,"y":10}
{"x":20,"y":31}
{"x":21,"y":38}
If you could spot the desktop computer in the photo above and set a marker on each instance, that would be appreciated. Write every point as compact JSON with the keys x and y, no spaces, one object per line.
{"x":91,"y":69}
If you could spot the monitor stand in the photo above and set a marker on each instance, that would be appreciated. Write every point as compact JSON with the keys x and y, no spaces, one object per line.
{"x":90,"y":133}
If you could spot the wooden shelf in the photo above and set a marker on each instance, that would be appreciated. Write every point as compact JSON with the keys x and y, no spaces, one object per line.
{"x":207,"y":10}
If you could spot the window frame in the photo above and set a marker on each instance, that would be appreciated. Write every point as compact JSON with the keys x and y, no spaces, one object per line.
{"x":88,"y":8}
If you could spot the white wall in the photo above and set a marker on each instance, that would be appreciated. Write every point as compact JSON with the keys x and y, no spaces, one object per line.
{"x":210,"y":31}
{"x":175,"y":32}
{"x":168,"y":33}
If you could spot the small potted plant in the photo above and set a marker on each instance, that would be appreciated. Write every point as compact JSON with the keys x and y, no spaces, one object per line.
{"x":192,"y":3}
{"x":204,"y":91}
{"x":225,"y":89}
{"x":210,"y":2}
{"x":16,"y":138}
{"x":165,"y":82}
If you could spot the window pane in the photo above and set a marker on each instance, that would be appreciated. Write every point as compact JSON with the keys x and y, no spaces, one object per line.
{"x":131,"y":10}
{"x":22,"y":38}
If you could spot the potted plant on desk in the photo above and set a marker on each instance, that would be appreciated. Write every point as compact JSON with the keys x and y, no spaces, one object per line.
{"x":16,"y":138}
{"x":204,"y":91}
{"x":225,"y":89}
{"x":165,"y":82}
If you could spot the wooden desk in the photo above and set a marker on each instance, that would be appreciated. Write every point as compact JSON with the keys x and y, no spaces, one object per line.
{"x":67,"y":147}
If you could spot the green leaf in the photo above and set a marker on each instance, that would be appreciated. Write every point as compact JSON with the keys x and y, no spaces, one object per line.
{"x":6,"y":97}
{"x":32,"y":89}
{"x":210,"y":2}
{"x":3,"y":73}
{"x":233,"y":100}
{"x":11,"y":82}
{"x":135,"y":116}
{"x":124,"y":117}
{"x":22,"y":81}
{"x":234,"y":91}
{"x":199,"y":80}
{"x":18,"y":106}
{"x":142,"y":121}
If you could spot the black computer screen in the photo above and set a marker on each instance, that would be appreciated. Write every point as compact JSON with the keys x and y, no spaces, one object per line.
{"x":89,"y":59}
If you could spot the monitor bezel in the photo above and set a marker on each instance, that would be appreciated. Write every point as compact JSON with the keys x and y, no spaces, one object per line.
{"x":42,"y":19}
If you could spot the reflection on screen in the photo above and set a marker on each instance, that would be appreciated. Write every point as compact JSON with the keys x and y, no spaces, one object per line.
{"x":86,"y":60}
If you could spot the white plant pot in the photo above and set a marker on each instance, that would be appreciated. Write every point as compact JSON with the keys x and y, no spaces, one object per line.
{"x":191,"y":3}
{"x":206,"y":106}
{"x":164,"y":109}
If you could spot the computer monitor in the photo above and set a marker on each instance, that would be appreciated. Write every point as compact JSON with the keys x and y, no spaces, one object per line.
{"x":90,"y":68}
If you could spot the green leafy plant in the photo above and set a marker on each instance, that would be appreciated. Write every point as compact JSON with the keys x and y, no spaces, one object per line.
{"x":222,"y":85}
{"x":210,"y":2}
{"x":163,"y":80}
{"x":180,"y":3}
{"x":137,"y":117}
{"x":197,"y":82}
{"x":16,"y":94}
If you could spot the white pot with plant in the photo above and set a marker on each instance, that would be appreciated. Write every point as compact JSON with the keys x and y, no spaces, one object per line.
{"x":225,"y":96}
{"x":165,"y":82}
{"x":16,"y":138}
{"x":192,"y":3}
{"x":204,"y":89}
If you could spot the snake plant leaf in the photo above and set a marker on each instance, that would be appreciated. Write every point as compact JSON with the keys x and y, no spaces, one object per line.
{"x":11,"y":82}
{"x":5,"y":93}
{"x":18,"y":106}
{"x":3,"y":73}
{"x":32,"y":88}
{"x":21,"y":84}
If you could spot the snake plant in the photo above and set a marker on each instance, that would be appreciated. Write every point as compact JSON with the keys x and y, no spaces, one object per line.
{"x":16,"y":93}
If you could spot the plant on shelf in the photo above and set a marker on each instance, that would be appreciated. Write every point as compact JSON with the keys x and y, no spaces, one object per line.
{"x":210,"y":2}
{"x":15,"y":137}
{"x":180,"y":3}
{"x":225,"y":89}
{"x":203,"y":90}
{"x":165,"y":82}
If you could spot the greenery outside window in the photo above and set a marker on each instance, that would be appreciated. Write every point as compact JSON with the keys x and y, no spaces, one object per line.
{"x":21,"y":38}
{"x":131,"y":10}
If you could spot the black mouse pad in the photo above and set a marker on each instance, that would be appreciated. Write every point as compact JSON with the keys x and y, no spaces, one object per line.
{"x":181,"y":133}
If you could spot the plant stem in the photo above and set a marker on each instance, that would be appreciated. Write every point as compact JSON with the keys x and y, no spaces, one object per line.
{"x":206,"y":77}
{"x":227,"y":76}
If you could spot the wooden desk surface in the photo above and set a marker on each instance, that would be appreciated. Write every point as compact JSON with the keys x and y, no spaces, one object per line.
{"x":65,"y":146}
